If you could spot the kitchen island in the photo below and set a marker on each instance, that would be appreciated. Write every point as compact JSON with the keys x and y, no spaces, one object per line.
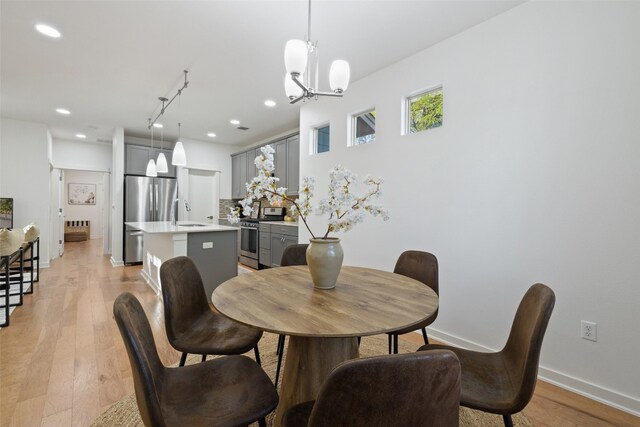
{"x":212,"y":247}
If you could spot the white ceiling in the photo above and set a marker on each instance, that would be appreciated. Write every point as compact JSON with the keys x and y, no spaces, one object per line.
{"x":115,"y":58}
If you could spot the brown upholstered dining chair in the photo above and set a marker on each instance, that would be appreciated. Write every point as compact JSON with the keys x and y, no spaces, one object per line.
{"x":394,"y":390}
{"x":503,"y":382}
{"x":421,"y":266}
{"x":192,"y":325}
{"x":292,"y":255}
{"x":227,"y":391}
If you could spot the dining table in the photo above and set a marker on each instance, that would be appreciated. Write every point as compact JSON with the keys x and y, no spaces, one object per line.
{"x":323,"y":326}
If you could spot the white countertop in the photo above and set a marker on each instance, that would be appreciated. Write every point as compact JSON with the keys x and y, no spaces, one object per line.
{"x":180,"y":227}
{"x":289,"y":223}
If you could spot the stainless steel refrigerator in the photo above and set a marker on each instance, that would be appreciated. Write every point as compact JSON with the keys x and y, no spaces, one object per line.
{"x":145,"y":199}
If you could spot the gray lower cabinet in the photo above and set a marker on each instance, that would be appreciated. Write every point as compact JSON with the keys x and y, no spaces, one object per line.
{"x":274,"y":238}
{"x":215,"y":255}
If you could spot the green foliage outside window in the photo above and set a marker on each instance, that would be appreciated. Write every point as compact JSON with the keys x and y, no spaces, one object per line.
{"x":426,"y":111}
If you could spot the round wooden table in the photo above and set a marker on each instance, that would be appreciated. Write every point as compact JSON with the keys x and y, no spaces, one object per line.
{"x":323,"y":325}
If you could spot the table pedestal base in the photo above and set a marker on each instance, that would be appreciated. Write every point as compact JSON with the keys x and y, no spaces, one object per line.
{"x":309,"y":362}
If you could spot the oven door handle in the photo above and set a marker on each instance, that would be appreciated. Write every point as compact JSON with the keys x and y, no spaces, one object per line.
{"x":248,"y":228}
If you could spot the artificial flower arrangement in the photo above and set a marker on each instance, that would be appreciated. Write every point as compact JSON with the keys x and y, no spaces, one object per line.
{"x":345,"y":209}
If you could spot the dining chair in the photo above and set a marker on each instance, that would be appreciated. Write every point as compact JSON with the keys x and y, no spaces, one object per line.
{"x":192,"y":325}
{"x":392,"y":390}
{"x":292,"y":255}
{"x":503,"y":382}
{"x":227,"y":391}
{"x":421,"y":266}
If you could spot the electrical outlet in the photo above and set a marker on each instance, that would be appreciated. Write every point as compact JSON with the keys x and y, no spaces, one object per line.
{"x":207,"y":245}
{"x":589,"y":330}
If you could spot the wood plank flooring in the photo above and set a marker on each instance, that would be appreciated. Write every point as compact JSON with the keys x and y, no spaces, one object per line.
{"x":62,"y":360}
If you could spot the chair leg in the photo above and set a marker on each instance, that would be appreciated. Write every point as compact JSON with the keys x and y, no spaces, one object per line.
{"x":395,"y":344}
{"x":280,"y":355}
{"x":359,"y":339}
{"x":280,"y":343}
{"x":257,"y":352}
{"x":262,"y":422}
{"x":424,"y":335}
{"x":183,"y":359}
{"x":390,"y":342}
{"x":204,"y":357}
{"x":507,"y":420}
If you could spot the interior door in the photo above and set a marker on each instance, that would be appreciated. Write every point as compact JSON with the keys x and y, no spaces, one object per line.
{"x":61,"y":213}
{"x":203,"y":196}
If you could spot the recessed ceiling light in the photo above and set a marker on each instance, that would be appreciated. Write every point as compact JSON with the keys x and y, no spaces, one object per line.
{"x":81,"y":135}
{"x":270,"y":103}
{"x":234,"y":122}
{"x":211,"y":135}
{"x":48,"y":30}
{"x":157,"y":125}
{"x":63,"y":111}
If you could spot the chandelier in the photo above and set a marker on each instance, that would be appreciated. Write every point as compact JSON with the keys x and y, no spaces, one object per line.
{"x":300,"y":57}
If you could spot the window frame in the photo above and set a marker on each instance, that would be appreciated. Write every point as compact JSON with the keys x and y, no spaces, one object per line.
{"x":406,"y":108}
{"x":314,"y":137}
{"x":353,"y":127}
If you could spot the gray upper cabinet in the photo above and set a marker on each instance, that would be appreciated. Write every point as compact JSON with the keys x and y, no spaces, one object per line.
{"x":239,"y":175}
{"x":137,"y":157}
{"x":280,"y":161}
{"x":286,"y":161}
{"x":293,"y":164}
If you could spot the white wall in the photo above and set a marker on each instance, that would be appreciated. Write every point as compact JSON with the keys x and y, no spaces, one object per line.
{"x":24,"y":175}
{"x":211,"y":156}
{"x":534,"y":177}
{"x":82,"y":155}
{"x":92,"y":213}
{"x":117,"y":196}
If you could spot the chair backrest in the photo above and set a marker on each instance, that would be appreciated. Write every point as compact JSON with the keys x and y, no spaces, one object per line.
{"x":146,"y":366}
{"x":522,"y":350}
{"x":183,"y":295}
{"x":294,"y":255}
{"x":415,"y":389}
{"x":419,"y":265}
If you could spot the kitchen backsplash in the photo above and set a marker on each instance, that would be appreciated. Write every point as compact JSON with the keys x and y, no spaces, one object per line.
{"x":225,"y":204}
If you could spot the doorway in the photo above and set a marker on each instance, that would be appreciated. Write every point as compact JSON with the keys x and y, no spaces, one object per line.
{"x":202,"y":195}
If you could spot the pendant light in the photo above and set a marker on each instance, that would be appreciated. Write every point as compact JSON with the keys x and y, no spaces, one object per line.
{"x":151,"y":166}
{"x":161,"y":164}
{"x":179,"y":157}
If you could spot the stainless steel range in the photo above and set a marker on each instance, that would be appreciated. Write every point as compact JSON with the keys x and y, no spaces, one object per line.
{"x":250,"y":235}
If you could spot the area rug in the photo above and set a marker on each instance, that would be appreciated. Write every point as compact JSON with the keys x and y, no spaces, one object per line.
{"x":125,"y":412}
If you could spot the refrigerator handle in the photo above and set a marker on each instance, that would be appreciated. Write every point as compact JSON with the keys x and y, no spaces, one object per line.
{"x":151,"y":202}
{"x":156,"y":202}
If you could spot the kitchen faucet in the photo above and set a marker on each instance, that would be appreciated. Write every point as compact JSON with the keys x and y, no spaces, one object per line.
{"x":173,"y":210}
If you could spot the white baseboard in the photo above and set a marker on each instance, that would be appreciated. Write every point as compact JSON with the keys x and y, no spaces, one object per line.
{"x":115,"y":263}
{"x":592,"y":391}
{"x":149,"y":281}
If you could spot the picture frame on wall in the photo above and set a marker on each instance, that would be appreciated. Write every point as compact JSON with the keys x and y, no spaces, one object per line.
{"x":82,"y":194}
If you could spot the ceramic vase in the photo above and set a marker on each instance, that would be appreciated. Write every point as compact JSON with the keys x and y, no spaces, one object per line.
{"x":324,"y":257}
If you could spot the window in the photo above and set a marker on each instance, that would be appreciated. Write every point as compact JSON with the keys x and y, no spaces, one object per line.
{"x":363,"y":128}
{"x":424,"y":111}
{"x":321,"y":138}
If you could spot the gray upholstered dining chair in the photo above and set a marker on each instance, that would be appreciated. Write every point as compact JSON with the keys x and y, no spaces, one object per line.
{"x":292,"y":255}
{"x":227,"y":391}
{"x":503,"y":382}
{"x":192,"y":325}
{"x":421,"y":266}
{"x":393,"y":390}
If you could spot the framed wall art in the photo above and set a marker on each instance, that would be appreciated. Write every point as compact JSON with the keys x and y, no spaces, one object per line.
{"x":82,"y":194}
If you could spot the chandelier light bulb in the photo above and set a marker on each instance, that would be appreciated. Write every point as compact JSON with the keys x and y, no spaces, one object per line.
{"x":291,"y":88}
{"x":339,"y":75}
{"x":161,"y":164}
{"x":295,"y":56}
{"x":151,"y":169}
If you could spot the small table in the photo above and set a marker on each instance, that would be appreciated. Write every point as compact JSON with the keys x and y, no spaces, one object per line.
{"x":323,"y":325}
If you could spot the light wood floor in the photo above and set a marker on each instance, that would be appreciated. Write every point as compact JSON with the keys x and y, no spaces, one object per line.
{"x":62,"y":360}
